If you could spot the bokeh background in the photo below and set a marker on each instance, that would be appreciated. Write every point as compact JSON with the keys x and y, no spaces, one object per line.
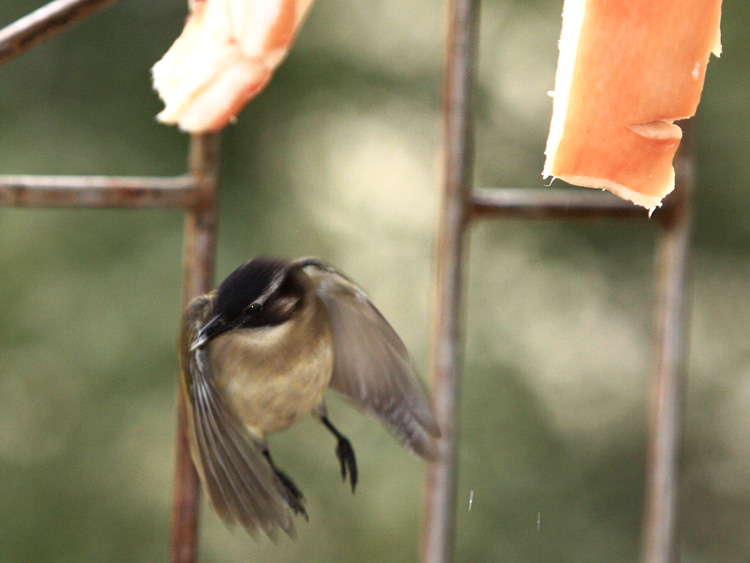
{"x":339,"y":158}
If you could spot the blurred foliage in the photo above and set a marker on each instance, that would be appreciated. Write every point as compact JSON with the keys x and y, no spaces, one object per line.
{"x":339,"y":158}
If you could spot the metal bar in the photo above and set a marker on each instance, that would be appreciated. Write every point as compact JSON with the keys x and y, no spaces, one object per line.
{"x":97,"y":191}
{"x":197,"y":193}
{"x":42,"y":23}
{"x":438,"y":527}
{"x":668,"y":381}
{"x":547,"y":203}
{"x":199,"y":259}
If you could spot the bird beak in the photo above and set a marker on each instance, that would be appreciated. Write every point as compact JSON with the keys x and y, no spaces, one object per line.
{"x":210,"y":330}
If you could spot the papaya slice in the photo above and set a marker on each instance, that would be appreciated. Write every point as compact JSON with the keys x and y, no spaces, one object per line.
{"x":628,"y":69}
{"x":224,"y":57}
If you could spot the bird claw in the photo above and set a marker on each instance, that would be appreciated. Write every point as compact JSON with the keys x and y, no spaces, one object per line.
{"x":345,"y":453}
{"x":292,"y":495}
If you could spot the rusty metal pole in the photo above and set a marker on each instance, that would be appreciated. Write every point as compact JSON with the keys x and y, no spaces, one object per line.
{"x":439,"y":518}
{"x":96,"y":192}
{"x":668,"y":382}
{"x":200,"y":250}
{"x":548,"y":203}
{"x":42,"y":23}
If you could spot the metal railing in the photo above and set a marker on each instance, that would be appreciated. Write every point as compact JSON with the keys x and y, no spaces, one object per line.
{"x":196,"y":194}
{"x":462,"y":205}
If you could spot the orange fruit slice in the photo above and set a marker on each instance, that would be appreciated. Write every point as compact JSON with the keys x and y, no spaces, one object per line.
{"x":224,"y":57}
{"x":627,"y":70}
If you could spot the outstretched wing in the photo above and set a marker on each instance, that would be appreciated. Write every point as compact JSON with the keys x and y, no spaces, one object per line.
{"x":371,"y":364}
{"x":235,"y":474}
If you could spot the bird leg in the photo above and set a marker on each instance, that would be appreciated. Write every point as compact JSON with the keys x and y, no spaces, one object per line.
{"x":289,"y":491}
{"x":344,"y":451}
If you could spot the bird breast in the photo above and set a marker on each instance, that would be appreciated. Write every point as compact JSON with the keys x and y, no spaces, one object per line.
{"x":271,"y":376}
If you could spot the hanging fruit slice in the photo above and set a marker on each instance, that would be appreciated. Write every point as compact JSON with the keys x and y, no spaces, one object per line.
{"x":627,"y":70}
{"x":224,"y":57}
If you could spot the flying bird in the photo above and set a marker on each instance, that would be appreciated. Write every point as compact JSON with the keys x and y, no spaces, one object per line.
{"x":259,"y":352}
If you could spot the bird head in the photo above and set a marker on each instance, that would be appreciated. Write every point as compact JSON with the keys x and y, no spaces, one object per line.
{"x":262,"y":292}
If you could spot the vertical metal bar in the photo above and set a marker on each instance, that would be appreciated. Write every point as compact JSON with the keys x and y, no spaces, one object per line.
{"x":668,"y":383}
{"x":439,"y":518}
{"x":200,"y":249}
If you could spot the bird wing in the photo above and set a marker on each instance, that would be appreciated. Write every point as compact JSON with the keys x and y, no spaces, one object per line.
{"x":235,"y":474}
{"x":371,"y":364}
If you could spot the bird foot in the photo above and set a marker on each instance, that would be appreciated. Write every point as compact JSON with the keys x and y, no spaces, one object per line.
{"x":289,"y":491}
{"x":292,"y":495}
{"x":345,"y":453}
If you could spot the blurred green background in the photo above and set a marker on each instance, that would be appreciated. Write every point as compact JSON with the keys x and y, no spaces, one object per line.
{"x":339,"y":158}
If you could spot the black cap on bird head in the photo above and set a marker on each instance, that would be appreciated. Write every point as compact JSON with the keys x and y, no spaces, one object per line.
{"x":262,"y":292}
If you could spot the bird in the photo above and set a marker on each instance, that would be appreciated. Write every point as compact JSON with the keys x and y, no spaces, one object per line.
{"x":259,"y":352}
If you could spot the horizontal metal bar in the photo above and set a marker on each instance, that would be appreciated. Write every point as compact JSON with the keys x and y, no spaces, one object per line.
{"x":42,"y":23}
{"x":551,"y":203}
{"x":97,"y":191}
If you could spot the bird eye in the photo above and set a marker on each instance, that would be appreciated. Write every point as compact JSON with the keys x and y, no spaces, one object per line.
{"x":253,"y":308}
